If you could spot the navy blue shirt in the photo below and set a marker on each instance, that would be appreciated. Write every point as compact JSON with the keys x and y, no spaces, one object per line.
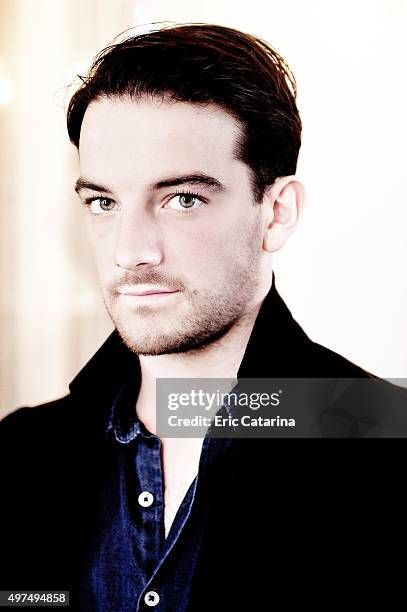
{"x":131,"y":566}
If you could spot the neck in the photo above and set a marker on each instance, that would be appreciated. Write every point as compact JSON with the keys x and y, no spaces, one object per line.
{"x":220,"y":359}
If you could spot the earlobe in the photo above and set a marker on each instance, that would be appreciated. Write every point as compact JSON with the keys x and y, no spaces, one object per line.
{"x":275,"y":237}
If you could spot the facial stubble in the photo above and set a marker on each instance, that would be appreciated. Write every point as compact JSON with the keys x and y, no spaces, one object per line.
{"x":203,"y":317}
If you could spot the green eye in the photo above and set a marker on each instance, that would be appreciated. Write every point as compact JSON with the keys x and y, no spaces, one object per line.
{"x":100,"y":205}
{"x":105,"y":203}
{"x":187,"y":200}
{"x":184,"y":202}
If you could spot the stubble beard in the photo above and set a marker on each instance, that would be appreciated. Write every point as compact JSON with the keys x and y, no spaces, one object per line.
{"x":200,"y":318}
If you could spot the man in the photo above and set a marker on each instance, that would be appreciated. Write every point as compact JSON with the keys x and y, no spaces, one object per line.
{"x":188,"y":139}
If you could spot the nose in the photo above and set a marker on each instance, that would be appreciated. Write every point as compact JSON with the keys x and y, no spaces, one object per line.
{"x":137,"y":241}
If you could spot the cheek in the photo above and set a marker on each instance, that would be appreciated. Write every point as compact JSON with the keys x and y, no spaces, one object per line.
{"x":101,"y":238}
{"x":201,"y":252}
{"x":203,"y":236}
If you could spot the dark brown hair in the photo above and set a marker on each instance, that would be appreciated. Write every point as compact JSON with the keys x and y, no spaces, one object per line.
{"x":206,"y":64}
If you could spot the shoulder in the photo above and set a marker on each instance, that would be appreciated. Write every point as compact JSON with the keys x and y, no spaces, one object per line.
{"x":26,"y":423}
{"x":363,"y":404}
{"x":66,"y":427}
{"x":51,"y":409}
{"x":327,"y":362}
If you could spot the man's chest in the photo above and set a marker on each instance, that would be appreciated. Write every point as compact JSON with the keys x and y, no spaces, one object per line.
{"x":179,"y":472}
{"x":174,"y":493}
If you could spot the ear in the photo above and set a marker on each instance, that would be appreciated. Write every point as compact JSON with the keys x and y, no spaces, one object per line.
{"x":283,"y":203}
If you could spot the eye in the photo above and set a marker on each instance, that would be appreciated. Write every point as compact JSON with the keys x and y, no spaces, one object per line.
{"x":99,"y":205}
{"x":188,"y":202}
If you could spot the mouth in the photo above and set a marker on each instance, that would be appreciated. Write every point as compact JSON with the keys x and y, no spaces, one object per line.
{"x":132,"y":298}
{"x":152,"y":291}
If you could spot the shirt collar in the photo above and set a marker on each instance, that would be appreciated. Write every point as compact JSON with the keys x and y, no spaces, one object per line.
{"x":124,"y":426}
{"x":123,"y":422}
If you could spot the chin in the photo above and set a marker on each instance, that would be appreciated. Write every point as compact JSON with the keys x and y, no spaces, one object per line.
{"x":178,"y":342}
{"x":157,"y":345}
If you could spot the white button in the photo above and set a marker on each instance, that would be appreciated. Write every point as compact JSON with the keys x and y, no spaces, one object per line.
{"x":145,"y":499}
{"x":151,"y":598}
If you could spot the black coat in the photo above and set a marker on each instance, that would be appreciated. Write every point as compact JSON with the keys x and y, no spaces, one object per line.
{"x":290,"y":519}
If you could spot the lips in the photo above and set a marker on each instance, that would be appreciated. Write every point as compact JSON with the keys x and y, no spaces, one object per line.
{"x":147,"y":292}
{"x":137,"y":293}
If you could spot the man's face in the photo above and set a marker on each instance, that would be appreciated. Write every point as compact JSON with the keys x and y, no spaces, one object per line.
{"x":172,"y":209}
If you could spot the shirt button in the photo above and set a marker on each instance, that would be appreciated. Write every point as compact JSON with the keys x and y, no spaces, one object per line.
{"x":151,"y":598}
{"x":145,"y":499}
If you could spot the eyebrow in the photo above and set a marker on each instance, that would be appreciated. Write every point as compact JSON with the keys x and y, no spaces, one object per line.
{"x":198,"y":178}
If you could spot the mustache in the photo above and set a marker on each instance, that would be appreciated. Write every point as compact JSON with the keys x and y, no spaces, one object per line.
{"x":129,"y":279}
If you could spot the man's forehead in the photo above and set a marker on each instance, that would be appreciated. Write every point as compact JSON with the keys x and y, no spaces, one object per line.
{"x":122,"y":141}
{"x":145,"y":124}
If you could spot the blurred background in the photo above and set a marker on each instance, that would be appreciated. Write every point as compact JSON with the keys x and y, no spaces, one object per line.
{"x":343,"y":272}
